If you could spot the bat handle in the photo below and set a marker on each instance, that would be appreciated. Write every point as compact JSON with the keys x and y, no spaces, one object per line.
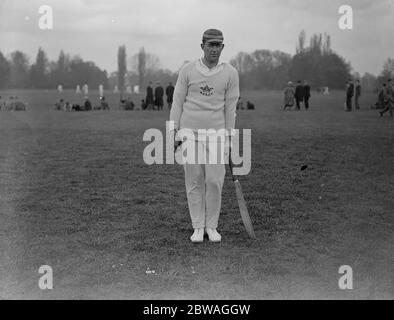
{"x":230,"y":162}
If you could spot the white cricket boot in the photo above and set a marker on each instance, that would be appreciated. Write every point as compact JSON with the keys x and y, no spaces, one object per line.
{"x":198,"y":235}
{"x":213,"y":235}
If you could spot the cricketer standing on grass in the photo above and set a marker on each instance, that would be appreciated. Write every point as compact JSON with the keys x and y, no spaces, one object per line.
{"x":205,"y":97}
{"x":307,"y":94}
{"x":358,"y":95}
{"x":349,"y":95}
{"x":299,"y":94}
{"x":169,"y":94}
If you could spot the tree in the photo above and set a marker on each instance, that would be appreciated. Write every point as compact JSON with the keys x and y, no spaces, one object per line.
{"x":19,"y":70}
{"x":39,"y":74}
{"x":334,"y":71}
{"x":4,"y":71}
{"x":301,"y":42}
{"x":262,"y":69}
{"x":242,"y":62}
{"x":45,"y":74}
{"x":141,"y":66}
{"x":316,"y":43}
{"x":356,"y":75}
{"x":388,"y":68}
{"x":86,"y":72}
{"x":326,"y":44}
{"x":122,"y":68}
{"x":320,"y":64}
{"x":145,"y":65}
{"x":369,"y":82}
{"x":280,"y":73}
{"x":113,"y":79}
{"x":61,"y":70}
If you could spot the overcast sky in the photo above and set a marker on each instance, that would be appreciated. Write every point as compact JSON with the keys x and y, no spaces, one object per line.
{"x":172,"y":29}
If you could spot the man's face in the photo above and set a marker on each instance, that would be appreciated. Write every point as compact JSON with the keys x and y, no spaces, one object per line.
{"x":212,"y":51}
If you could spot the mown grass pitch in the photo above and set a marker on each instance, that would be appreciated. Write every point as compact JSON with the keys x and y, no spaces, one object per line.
{"x":76,"y":195}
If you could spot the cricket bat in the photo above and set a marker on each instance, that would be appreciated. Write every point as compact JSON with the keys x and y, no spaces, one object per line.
{"x":243,"y":209}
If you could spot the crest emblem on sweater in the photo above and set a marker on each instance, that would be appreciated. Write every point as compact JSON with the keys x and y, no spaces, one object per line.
{"x":206,"y":91}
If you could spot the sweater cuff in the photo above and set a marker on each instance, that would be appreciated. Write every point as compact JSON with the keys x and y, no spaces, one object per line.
{"x":173,"y":126}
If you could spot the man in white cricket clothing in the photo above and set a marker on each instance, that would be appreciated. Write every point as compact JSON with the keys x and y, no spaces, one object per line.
{"x":205,"y":97}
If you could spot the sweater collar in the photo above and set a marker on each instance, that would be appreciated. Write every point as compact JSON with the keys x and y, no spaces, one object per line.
{"x":201,"y":67}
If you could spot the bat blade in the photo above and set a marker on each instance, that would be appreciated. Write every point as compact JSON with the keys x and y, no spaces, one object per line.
{"x":244,"y":210}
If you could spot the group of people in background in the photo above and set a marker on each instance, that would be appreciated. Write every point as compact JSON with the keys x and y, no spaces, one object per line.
{"x":154,"y":99}
{"x":12,"y":104}
{"x":353,"y":89}
{"x":85,"y":106}
{"x":301,"y":93}
{"x":293,"y":96}
{"x":385,"y":97}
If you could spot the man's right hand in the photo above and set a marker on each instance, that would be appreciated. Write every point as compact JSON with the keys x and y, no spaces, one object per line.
{"x":177,"y":143}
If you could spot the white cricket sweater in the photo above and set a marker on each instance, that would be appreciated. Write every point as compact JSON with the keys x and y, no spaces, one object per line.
{"x":205,"y":99}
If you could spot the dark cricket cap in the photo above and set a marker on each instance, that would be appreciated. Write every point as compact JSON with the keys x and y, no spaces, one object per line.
{"x":213,"y":35}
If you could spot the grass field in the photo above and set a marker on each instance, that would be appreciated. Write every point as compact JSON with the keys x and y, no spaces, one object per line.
{"x":76,"y":195}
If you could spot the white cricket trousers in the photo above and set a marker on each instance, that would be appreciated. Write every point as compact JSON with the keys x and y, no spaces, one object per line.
{"x":204,"y":184}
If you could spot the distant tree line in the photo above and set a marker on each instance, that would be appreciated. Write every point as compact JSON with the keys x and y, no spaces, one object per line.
{"x":16,"y":71}
{"x":262,"y":69}
{"x":317,"y":63}
{"x":371,"y":82}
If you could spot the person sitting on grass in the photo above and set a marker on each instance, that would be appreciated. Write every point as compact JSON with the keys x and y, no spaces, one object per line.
{"x":87,"y":104}
{"x":103,"y":104}
{"x":19,"y":106}
{"x":76,"y":107}
{"x":129,"y":105}
{"x":68,"y":106}
{"x":59,"y":105}
{"x":9,"y":106}
{"x":122,"y":104}
{"x":15,"y":105}
{"x":249,"y":106}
